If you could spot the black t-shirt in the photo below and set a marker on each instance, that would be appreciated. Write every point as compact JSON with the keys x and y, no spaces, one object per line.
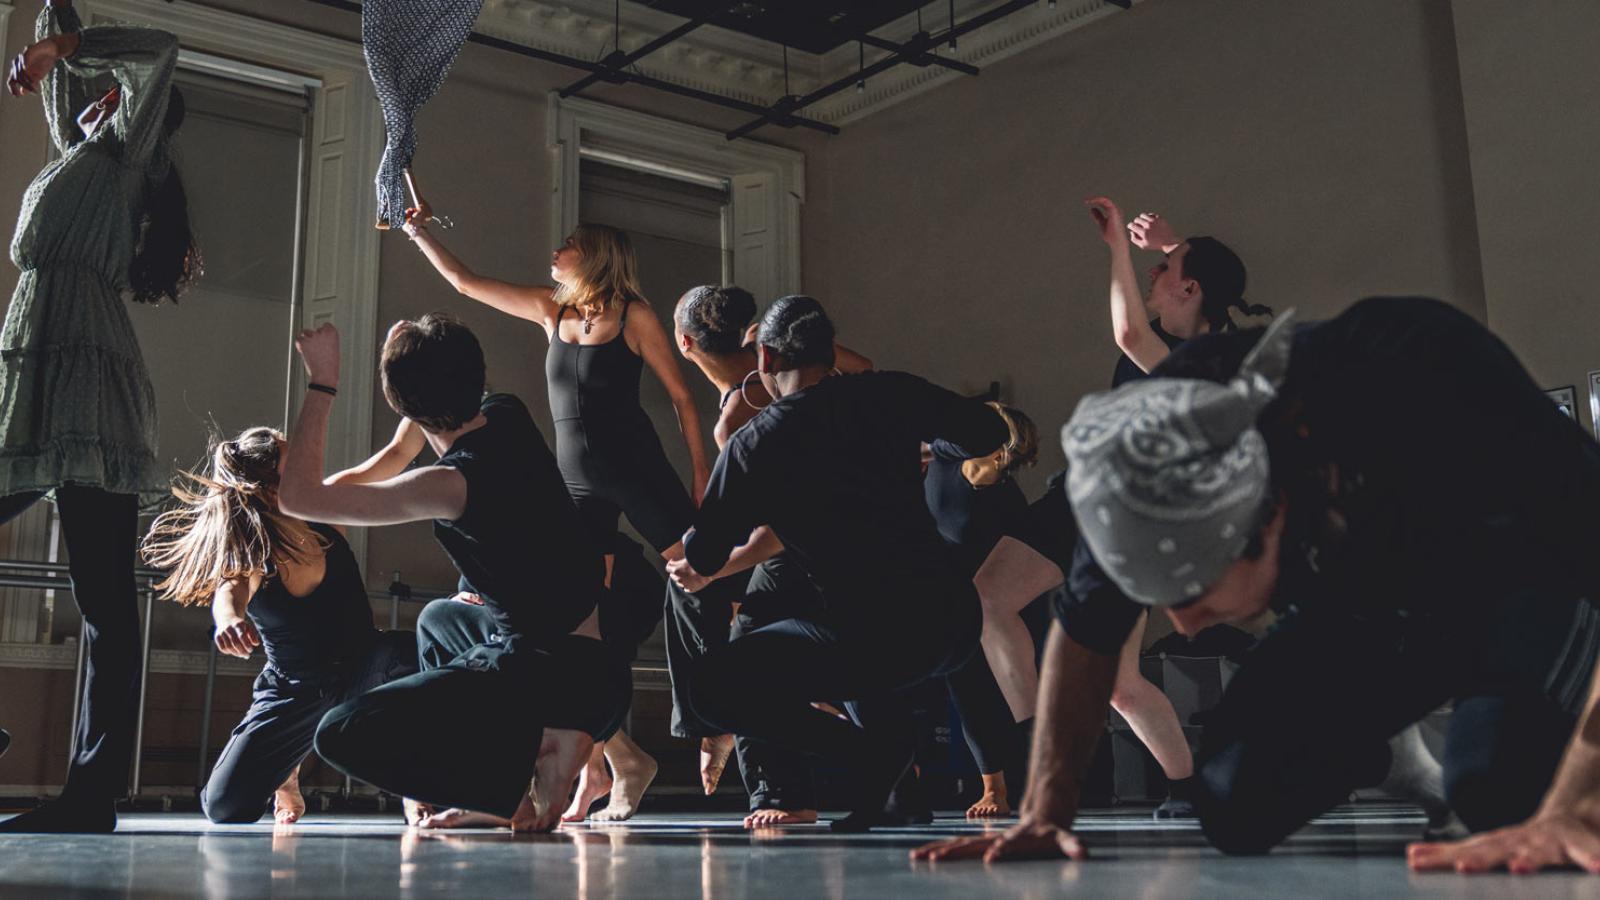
{"x":972,"y":519}
{"x":519,"y":544}
{"x":1127,"y":370}
{"x":836,"y":471}
{"x":306,"y":636}
{"x":1427,"y":476}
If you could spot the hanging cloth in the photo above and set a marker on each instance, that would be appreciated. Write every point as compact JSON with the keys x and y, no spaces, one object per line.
{"x":409,"y":45}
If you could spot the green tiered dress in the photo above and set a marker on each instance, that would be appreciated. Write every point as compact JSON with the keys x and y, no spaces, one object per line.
{"x":76,"y":405}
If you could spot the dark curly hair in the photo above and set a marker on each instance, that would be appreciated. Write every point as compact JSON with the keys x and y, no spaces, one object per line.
{"x":167,"y":261}
{"x":715,"y":317}
{"x":797,"y":327}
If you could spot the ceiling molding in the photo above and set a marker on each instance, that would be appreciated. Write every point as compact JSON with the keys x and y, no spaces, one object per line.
{"x":745,"y":68}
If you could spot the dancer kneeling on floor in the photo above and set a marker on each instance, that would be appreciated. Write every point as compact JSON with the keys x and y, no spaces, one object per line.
{"x":502,"y":514}
{"x":290,"y":587}
{"x":833,"y":467}
{"x":1415,"y":554}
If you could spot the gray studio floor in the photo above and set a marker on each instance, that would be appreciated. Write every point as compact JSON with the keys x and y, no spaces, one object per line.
{"x":1353,"y":852}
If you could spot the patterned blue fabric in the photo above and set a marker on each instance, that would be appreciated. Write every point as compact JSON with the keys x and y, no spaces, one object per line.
{"x":410,"y":46}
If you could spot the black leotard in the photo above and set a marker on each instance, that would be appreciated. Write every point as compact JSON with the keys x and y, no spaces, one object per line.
{"x":607,"y":447}
{"x":305,"y":636}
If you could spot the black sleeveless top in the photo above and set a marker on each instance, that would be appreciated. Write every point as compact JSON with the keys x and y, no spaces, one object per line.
{"x":311,"y":635}
{"x":597,"y":384}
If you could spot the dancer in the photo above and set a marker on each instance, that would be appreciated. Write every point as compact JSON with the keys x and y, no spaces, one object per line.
{"x":1282,"y":471}
{"x":503,"y":516}
{"x":832,"y":466}
{"x":1191,"y":293}
{"x":606,"y":446}
{"x":291,"y":588}
{"x":714,"y":329}
{"x":77,"y":412}
{"x":975,"y":501}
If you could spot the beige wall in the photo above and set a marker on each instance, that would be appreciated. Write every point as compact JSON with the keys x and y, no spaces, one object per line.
{"x":1327,"y":149}
{"x":1531,"y":79}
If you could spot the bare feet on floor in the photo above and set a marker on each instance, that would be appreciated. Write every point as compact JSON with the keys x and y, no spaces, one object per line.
{"x":562,"y":754}
{"x":288,"y":804}
{"x":593,"y":783}
{"x":415,"y":810}
{"x":777,"y":818}
{"x":714,"y":753}
{"x":633,"y":771}
{"x":456,"y":817}
{"x":994,"y":802}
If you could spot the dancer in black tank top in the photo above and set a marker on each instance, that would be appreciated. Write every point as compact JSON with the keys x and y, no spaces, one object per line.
{"x":298,"y":594}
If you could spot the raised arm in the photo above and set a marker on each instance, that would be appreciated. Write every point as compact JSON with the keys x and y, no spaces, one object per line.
{"x":430,"y":493}
{"x":655,"y":348}
{"x":55,"y":36}
{"x":393,"y":459}
{"x":141,"y":60}
{"x":1129,"y":323}
{"x":534,"y":302}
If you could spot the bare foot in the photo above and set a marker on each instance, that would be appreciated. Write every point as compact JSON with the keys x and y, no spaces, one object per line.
{"x":634,"y":770}
{"x":416,"y":810}
{"x":462,"y":818}
{"x":288,"y":804}
{"x":994,"y":801}
{"x":777,"y":818}
{"x":561,"y":754}
{"x":714,"y":753}
{"x":989,"y":807}
{"x":830,"y":709}
{"x":593,"y":783}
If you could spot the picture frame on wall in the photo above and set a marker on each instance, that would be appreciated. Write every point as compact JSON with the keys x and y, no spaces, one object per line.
{"x":1567,"y":397}
{"x":1594,"y":402}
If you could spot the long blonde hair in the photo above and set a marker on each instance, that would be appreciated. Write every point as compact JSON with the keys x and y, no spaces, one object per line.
{"x":226,"y":523}
{"x":607,"y":272}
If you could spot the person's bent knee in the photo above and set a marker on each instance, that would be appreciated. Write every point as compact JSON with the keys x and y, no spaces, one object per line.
{"x":714,"y":695}
{"x":333,"y":741}
{"x":1236,"y":811}
{"x":222,"y":808}
{"x":1236,"y":835}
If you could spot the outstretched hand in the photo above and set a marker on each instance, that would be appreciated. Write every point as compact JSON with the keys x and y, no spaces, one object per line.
{"x":29,"y":68}
{"x":1107,"y":218}
{"x":1543,"y":842}
{"x":1025,"y":840}
{"x":319,"y":351}
{"x":1149,"y":231}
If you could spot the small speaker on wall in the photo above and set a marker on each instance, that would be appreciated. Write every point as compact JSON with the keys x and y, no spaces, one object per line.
{"x":1567,"y":398}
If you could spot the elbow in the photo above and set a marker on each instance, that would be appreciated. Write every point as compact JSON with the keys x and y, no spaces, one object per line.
{"x":1127,"y":338}
{"x":295,"y":499}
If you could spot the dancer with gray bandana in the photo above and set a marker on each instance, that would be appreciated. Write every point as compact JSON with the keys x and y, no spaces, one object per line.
{"x":1284,"y":471}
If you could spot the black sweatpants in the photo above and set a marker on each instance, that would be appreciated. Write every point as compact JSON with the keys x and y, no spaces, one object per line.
{"x":1307,"y":718}
{"x":692,"y":626}
{"x":762,"y":685}
{"x":465,"y":731}
{"x":278,"y":728}
{"x":775,"y":777}
{"x":102,"y":532}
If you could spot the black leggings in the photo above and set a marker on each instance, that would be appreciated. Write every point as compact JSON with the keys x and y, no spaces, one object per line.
{"x":277,"y":730}
{"x":986,"y":720}
{"x":465,"y":731}
{"x":625,"y":473}
{"x":762,"y":685}
{"x":101,"y":531}
{"x":1307,"y":718}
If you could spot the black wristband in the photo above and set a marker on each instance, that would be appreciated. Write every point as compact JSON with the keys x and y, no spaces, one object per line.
{"x":330,"y":391}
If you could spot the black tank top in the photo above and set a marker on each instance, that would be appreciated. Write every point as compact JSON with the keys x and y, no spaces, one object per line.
{"x":597,"y":384}
{"x":311,"y":635}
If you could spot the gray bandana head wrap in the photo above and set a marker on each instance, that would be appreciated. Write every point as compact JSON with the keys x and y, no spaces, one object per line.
{"x":1167,"y":475}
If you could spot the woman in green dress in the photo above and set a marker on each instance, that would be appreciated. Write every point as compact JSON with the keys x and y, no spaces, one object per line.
{"x":106,"y":219}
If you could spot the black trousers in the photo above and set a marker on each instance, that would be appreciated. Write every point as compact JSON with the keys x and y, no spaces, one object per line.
{"x":762,"y":685}
{"x":465,"y":731}
{"x":986,"y":720}
{"x":775,"y":777}
{"x":692,"y":626}
{"x":101,"y":531}
{"x":1307,"y":717}
{"x":278,"y":728}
